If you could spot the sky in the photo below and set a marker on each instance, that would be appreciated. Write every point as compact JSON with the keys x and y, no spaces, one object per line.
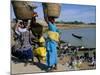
{"x":70,"y":12}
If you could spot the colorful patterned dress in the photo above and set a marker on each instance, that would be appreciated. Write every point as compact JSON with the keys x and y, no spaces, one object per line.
{"x":23,"y":47}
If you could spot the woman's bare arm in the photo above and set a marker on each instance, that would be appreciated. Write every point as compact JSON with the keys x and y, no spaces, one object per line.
{"x":46,"y":19}
{"x":28,"y":25}
{"x":17,"y":25}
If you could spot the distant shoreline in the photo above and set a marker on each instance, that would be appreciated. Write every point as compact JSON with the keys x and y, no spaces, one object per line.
{"x":72,"y":26}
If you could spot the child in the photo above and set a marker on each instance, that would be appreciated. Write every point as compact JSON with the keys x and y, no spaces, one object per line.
{"x":40,"y":51}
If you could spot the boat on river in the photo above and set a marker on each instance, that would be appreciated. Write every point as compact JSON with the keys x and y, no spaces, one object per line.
{"x":77,"y":36}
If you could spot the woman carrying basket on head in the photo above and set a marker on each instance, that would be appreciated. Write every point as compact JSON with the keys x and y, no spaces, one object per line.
{"x":23,"y":49}
{"x":51,"y":44}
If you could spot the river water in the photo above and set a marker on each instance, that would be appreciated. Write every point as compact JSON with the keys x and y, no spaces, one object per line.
{"x":88,"y":37}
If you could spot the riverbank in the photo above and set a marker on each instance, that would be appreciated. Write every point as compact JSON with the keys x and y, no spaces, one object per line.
{"x":73,"y":26}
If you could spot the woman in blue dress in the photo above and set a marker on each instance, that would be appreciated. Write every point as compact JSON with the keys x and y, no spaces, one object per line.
{"x":51,"y":46}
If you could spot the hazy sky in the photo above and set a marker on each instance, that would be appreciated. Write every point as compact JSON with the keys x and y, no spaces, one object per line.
{"x":70,"y":12}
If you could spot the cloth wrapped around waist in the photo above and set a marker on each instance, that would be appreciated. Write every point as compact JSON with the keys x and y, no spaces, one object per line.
{"x":41,"y":51}
{"x":53,"y":35}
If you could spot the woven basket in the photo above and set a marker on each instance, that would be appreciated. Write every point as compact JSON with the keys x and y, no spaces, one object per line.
{"x":51,"y":9}
{"x":22,"y":10}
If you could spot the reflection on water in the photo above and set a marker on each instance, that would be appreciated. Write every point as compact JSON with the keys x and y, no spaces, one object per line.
{"x":88,"y":34}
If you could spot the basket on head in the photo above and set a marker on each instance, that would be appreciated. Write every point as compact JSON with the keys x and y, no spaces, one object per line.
{"x":51,"y":9}
{"x":22,"y":10}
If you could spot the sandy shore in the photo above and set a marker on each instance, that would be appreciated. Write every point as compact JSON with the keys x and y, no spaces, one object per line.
{"x":19,"y":68}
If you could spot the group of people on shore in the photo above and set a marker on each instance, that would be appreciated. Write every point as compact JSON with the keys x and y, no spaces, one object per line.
{"x":26,"y":46}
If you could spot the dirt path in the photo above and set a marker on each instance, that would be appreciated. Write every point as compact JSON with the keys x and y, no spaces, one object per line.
{"x":20,"y":68}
